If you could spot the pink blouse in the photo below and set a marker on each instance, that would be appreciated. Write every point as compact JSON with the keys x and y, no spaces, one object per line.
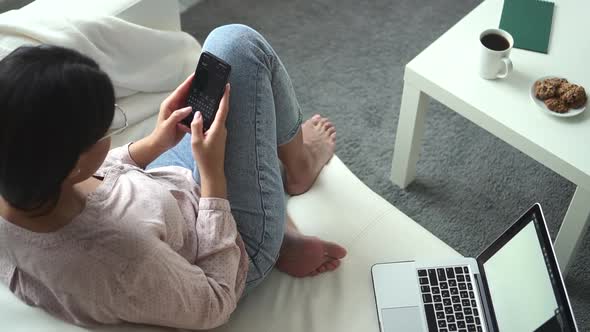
{"x":146,"y":249}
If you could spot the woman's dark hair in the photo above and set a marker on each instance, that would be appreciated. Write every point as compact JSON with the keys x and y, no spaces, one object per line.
{"x":55,"y":104}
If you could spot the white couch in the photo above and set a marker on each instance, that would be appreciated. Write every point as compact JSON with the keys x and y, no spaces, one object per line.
{"x":339,"y":207}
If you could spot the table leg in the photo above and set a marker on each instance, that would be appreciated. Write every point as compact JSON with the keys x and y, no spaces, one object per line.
{"x":408,"y":141}
{"x":573,"y":228}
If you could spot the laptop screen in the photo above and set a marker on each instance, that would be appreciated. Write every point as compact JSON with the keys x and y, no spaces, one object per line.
{"x":523,"y":281}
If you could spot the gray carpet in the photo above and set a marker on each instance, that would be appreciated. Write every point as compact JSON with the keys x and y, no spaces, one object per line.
{"x":6,"y":5}
{"x":346,"y":59}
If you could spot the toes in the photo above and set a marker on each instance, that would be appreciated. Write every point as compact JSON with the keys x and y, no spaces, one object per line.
{"x":322,"y":122}
{"x":316,"y":119}
{"x":331,"y":130}
{"x":334,"y":251}
{"x":327,"y":126}
{"x":332,"y":265}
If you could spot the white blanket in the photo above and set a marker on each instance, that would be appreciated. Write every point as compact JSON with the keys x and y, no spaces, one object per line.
{"x":137,"y":58}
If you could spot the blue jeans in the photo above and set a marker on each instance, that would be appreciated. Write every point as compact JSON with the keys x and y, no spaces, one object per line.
{"x":264,"y":113}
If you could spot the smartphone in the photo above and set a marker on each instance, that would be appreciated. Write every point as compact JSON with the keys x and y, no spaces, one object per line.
{"x":211,"y":76}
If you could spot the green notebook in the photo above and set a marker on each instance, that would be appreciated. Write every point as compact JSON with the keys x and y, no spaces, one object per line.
{"x":529,"y":23}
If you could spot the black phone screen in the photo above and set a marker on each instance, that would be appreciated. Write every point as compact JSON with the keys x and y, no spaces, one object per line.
{"x":210,"y":83}
{"x":207,"y":88}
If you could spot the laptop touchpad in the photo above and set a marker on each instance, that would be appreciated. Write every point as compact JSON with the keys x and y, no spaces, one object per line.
{"x":401,"y":319}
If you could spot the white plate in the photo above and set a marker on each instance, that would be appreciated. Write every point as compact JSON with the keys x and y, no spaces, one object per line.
{"x":541,"y":104}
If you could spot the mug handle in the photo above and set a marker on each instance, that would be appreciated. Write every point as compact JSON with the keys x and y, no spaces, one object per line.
{"x":507,"y":68}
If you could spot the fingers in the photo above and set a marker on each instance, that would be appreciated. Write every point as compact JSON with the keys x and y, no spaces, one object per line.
{"x":223,"y":110}
{"x":183,"y":128}
{"x":197,"y":128}
{"x":178,"y":116}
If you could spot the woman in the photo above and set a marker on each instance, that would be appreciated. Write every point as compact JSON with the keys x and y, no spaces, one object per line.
{"x":145,"y":233}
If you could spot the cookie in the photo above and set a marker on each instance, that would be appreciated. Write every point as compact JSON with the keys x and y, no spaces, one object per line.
{"x":556,"y":105}
{"x":556,"y":81}
{"x":575,"y":97}
{"x":563,"y":88}
{"x":545,"y":90}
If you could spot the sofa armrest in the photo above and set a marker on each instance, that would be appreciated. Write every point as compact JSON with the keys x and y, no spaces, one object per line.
{"x":156,"y":14}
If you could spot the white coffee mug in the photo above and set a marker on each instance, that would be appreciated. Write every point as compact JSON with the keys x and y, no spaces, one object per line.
{"x":495,"y":45}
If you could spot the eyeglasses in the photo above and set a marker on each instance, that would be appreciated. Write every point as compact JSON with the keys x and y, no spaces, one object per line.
{"x":119,"y":123}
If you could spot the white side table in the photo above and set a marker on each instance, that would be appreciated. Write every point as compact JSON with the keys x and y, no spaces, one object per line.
{"x":447,"y":72}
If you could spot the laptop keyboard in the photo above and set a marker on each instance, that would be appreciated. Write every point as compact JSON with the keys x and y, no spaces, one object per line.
{"x":449,"y":300}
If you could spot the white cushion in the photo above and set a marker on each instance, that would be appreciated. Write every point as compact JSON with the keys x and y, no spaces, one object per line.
{"x":156,"y":14}
{"x":340,"y":208}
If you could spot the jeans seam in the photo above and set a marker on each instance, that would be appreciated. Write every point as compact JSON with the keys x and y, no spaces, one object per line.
{"x":264,"y":216}
{"x":291,"y":133}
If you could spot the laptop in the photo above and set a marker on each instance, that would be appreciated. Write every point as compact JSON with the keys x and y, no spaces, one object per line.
{"x":514,"y":285}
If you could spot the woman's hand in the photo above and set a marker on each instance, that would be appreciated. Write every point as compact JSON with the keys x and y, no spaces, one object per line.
{"x":169,"y":131}
{"x":209,"y":150}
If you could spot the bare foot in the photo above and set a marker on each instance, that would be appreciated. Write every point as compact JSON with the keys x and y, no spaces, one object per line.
{"x":303,"y":256}
{"x":319,"y":142}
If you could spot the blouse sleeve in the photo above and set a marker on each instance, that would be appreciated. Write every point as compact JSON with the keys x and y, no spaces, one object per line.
{"x":117,"y":156}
